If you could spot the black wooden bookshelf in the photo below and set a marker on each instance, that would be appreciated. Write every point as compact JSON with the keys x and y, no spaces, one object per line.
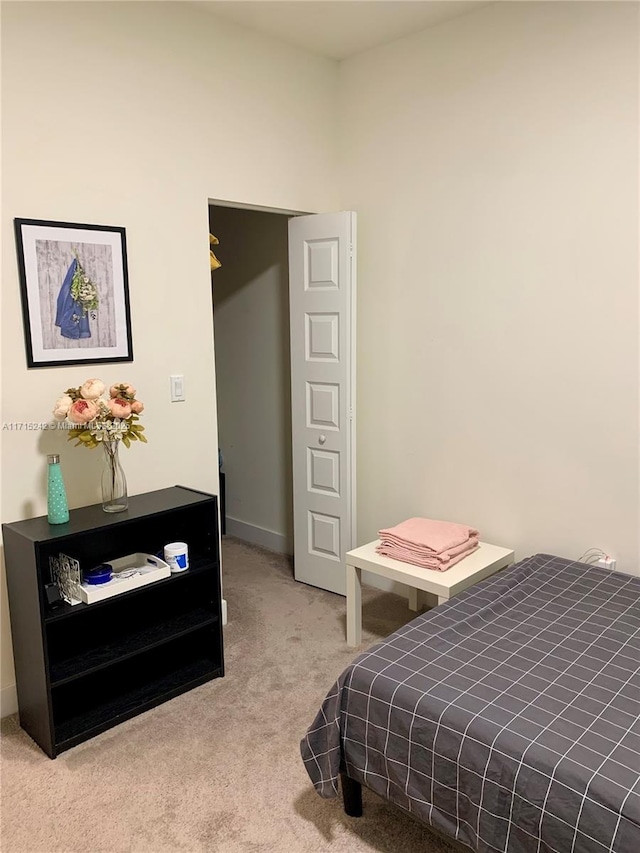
{"x":81,"y":669}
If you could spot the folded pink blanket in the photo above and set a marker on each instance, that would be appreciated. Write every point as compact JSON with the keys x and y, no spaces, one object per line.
{"x":438,"y":562}
{"x":427,"y":534}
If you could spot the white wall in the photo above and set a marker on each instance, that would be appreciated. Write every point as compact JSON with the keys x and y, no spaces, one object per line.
{"x":251,"y":319}
{"x":134,"y":114}
{"x":493,"y":162}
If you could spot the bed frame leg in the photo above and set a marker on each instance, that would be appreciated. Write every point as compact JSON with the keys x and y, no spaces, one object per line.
{"x":351,"y":796}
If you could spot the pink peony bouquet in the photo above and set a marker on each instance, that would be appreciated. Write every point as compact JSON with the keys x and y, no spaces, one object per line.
{"x":95,"y":415}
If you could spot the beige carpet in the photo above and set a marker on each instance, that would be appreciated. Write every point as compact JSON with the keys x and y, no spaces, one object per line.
{"x":219,"y":768}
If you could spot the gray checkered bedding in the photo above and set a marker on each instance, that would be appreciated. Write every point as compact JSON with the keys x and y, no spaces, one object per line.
{"x":508,"y":717}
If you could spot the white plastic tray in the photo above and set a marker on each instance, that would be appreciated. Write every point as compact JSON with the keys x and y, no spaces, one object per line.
{"x":144,"y":569}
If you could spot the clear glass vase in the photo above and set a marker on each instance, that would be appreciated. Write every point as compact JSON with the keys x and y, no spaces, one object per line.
{"x":114,"y":483}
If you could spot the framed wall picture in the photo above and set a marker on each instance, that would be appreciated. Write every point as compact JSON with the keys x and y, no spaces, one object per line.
{"x":75,"y":293}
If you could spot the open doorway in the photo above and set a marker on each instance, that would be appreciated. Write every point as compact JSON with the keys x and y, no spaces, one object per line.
{"x":284,"y":321}
{"x":253,"y":377}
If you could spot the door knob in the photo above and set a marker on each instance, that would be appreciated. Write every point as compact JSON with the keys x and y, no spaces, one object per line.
{"x":322,"y":439}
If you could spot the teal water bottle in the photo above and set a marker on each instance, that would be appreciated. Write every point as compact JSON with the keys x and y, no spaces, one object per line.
{"x":57,"y":506}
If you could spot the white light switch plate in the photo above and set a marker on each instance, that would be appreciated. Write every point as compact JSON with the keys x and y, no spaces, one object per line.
{"x":177,"y":388}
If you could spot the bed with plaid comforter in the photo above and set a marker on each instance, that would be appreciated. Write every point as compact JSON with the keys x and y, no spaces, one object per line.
{"x":508,"y":717}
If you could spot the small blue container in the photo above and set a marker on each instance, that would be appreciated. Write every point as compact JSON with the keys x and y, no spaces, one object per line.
{"x":99,"y":574}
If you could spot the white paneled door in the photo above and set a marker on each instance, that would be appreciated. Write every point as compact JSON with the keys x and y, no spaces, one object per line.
{"x":322,"y":290}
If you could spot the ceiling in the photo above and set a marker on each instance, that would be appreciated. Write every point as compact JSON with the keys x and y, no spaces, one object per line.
{"x":338,"y":29}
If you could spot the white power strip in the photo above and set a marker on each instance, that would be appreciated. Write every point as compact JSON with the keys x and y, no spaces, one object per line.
{"x":607,"y":563}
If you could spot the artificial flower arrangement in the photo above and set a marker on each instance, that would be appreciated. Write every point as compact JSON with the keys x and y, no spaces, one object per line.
{"x":96,"y":417}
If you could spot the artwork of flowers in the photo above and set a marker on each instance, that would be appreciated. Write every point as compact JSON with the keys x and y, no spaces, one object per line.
{"x":75,"y":292}
{"x":95,"y":415}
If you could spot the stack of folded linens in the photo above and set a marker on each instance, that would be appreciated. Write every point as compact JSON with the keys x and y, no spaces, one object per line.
{"x":428,"y":543}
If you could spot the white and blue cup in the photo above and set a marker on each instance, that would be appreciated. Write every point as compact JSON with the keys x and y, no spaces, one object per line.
{"x":176,"y":555}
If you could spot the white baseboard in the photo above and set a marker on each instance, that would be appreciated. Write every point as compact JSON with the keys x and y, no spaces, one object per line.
{"x":8,"y":700}
{"x":258,"y":535}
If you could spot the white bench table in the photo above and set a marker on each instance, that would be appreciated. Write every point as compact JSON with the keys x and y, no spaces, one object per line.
{"x":484,"y":561}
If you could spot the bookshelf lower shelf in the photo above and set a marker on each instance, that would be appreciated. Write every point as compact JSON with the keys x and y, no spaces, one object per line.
{"x":86,"y":707}
{"x":75,"y":731}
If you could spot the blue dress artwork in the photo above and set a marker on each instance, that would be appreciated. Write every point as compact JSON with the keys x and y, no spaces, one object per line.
{"x":70,"y":315}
